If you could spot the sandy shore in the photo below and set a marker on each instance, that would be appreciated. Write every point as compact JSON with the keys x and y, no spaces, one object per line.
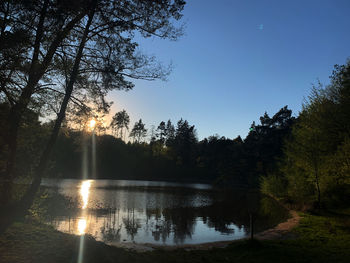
{"x":281,"y":231}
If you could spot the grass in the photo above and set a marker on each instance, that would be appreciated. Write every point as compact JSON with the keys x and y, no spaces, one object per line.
{"x":322,"y":237}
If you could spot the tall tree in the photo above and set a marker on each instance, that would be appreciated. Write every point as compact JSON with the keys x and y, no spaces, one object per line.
{"x":264,"y":141}
{"x":55,"y":30}
{"x":316,"y":155}
{"x":120,"y":122}
{"x":96,"y":35}
{"x":170,"y":133}
{"x":45,"y":24}
{"x":138,"y":132}
{"x":161,"y":132}
{"x":184,"y":141}
{"x":305,"y":152}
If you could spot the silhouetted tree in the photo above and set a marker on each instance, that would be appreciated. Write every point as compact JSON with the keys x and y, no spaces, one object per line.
{"x":120,"y":122}
{"x":138,"y":132}
{"x":98,"y":36}
{"x":264,"y":142}
{"x":161,"y":132}
{"x":184,"y":142}
{"x":170,"y":133}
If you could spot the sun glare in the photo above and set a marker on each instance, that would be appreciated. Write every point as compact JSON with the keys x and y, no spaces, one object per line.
{"x":92,"y":123}
{"x":82,"y":226}
{"x":84,"y":192}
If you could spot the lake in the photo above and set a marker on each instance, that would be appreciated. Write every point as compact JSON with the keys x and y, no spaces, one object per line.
{"x":163,"y":213}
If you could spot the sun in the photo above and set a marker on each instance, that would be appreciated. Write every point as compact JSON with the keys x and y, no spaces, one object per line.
{"x":92,"y":123}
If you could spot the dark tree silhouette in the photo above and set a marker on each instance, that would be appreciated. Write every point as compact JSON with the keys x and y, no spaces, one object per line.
{"x":138,"y":132}
{"x":119,"y":123}
{"x":98,"y":36}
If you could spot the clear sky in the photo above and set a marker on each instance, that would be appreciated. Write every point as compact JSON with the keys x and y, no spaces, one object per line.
{"x":238,"y":59}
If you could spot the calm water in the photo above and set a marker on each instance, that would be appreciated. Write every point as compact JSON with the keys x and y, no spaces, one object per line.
{"x":115,"y":211}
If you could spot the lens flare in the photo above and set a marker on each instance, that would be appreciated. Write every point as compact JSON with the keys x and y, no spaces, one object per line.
{"x":92,"y":123}
{"x":82,"y":226}
{"x":84,"y":192}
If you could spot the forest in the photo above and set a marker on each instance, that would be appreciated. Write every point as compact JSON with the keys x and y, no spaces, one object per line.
{"x":303,"y":159}
{"x":172,"y":153}
{"x":280,"y":192}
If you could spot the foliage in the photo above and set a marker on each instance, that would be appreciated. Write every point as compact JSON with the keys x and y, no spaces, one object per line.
{"x":32,"y":136}
{"x":173,"y":154}
{"x":70,"y":56}
{"x":316,"y":162}
{"x":273,"y":185}
{"x":48,"y":203}
{"x":138,"y":132}
{"x":119,"y":123}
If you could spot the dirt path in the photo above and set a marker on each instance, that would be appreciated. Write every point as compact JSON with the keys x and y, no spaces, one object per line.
{"x":282,"y":231}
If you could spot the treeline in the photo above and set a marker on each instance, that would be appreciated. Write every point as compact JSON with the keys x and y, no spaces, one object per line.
{"x":304,"y":160}
{"x":315,"y":168}
{"x":173,"y":152}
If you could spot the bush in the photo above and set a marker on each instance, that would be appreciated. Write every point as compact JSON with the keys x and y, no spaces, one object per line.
{"x":274,"y":185}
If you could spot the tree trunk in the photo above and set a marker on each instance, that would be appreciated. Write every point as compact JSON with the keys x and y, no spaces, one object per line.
{"x":318,"y":187}
{"x":20,"y":209}
{"x":17,"y":110}
{"x":36,"y":73}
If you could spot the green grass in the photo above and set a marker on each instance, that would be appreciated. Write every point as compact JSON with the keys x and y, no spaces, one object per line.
{"x":323,"y":237}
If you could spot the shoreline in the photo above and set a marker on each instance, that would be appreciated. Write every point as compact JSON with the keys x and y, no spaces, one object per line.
{"x":280,"y":232}
{"x":318,"y":238}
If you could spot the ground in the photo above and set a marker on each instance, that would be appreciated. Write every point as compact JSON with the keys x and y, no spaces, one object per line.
{"x":321,"y":237}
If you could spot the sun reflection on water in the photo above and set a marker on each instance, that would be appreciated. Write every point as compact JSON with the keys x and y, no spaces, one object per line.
{"x":82,"y":226}
{"x":84,"y":192}
{"x":82,"y":223}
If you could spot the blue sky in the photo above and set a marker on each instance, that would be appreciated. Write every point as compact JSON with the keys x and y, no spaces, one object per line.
{"x":238,"y":59}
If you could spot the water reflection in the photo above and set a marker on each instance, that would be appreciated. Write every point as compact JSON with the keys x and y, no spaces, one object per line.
{"x":164,"y":215}
{"x":81,"y":226}
{"x":111,"y":227}
{"x":84,"y":192}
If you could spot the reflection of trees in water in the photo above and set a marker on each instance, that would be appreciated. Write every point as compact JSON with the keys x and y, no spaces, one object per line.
{"x":235,"y":208}
{"x":157,"y":225}
{"x":131,"y":224}
{"x":161,"y":229}
{"x":182,"y":222}
{"x":111,"y":226}
{"x":172,"y":215}
{"x":226,"y":210}
{"x":231,"y":208}
{"x":163,"y":222}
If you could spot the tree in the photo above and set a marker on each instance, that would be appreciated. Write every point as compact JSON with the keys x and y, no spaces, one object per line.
{"x":305,"y":153}
{"x":57,"y":30}
{"x":120,"y":122}
{"x":138,"y":132}
{"x":96,"y":36}
{"x":152,"y":134}
{"x":170,"y":133}
{"x":264,"y":142}
{"x":184,"y":142}
{"x":161,"y":132}
{"x":316,"y":156}
{"x":45,"y":25}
